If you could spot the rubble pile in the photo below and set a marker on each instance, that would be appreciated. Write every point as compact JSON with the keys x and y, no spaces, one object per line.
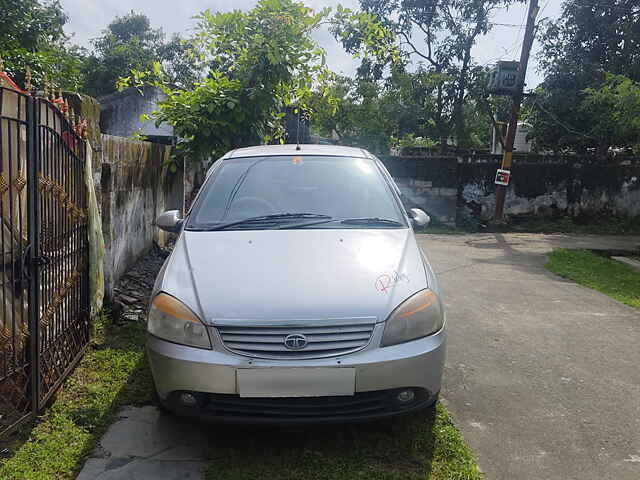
{"x":131,"y":294}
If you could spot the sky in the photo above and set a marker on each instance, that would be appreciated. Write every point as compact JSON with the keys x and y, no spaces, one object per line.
{"x":89,"y":17}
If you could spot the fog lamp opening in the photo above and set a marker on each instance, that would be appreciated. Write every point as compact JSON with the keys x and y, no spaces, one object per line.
{"x":187,"y":399}
{"x":406,"y":396}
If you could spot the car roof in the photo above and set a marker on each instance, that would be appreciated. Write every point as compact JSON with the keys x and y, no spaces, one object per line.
{"x":292,"y":149}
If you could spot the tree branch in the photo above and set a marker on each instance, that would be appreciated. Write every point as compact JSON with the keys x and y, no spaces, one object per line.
{"x":427,"y":32}
{"x":416,"y":51}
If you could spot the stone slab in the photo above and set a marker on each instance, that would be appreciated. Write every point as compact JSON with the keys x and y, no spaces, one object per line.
{"x":143,"y":469}
{"x":147,"y":444}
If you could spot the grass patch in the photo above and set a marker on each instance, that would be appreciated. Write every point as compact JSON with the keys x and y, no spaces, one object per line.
{"x":440,"y":230}
{"x":112,"y":373}
{"x":422,"y":446}
{"x":608,"y":276}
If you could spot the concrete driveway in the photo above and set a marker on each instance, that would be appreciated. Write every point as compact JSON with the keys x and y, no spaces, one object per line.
{"x":543,"y":375}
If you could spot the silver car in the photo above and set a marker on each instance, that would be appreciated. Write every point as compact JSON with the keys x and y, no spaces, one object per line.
{"x":296,"y":292}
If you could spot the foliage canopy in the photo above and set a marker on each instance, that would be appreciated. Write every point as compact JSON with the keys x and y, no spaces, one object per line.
{"x":417,"y":84}
{"x":31,"y":36}
{"x":129,"y":42}
{"x":589,"y":42}
{"x":257,"y":64}
{"x":440,"y":35}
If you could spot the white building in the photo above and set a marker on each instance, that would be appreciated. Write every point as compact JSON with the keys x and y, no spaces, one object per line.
{"x":521,"y":143}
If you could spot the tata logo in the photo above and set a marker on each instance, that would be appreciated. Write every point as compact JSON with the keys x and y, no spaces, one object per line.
{"x":295,"y":341}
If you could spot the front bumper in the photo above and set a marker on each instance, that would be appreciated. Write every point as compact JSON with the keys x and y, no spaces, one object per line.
{"x":355,"y":408}
{"x":417,"y":364}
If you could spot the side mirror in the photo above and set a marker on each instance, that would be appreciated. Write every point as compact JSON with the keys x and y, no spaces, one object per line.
{"x":170,"y":221}
{"x":419,"y":218}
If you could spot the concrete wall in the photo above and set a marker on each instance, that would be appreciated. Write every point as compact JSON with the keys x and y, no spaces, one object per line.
{"x":121,"y":113}
{"x":429,"y":183}
{"x":451,"y":188}
{"x":546,"y":186}
{"x":135,"y":187}
{"x":132,"y":184}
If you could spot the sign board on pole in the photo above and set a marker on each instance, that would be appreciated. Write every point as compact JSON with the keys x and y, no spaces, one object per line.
{"x":503,"y":78}
{"x":502,"y":177}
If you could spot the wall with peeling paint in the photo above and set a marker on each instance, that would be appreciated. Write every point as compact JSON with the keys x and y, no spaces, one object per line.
{"x":452,"y":188}
{"x":429,"y":183}
{"x":545,"y":186}
{"x":135,"y":187}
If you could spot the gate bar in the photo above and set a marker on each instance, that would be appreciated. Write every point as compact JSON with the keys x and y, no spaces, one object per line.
{"x":33,"y":167}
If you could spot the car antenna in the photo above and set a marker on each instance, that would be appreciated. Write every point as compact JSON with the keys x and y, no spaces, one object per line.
{"x":298,"y":132}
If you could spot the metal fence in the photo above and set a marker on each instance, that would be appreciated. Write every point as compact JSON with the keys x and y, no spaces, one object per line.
{"x":44,"y":284}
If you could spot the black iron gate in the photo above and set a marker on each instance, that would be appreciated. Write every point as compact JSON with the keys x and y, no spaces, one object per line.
{"x":44,"y":283}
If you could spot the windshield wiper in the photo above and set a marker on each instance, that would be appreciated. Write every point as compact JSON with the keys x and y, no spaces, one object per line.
{"x":265,"y":219}
{"x":374,"y":221}
{"x":371,"y":221}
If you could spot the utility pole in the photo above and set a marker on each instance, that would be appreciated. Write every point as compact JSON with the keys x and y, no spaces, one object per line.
{"x":507,"y":156}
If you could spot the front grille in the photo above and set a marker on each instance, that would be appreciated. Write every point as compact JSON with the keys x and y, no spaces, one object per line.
{"x":310,"y":408}
{"x":324,"y":339}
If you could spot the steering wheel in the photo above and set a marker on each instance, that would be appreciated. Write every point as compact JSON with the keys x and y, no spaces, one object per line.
{"x":250,"y":204}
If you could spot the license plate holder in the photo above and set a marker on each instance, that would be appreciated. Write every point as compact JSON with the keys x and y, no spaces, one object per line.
{"x":295,"y":382}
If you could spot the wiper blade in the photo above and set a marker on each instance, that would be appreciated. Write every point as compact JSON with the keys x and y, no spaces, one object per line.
{"x":347,"y":221}
{"x":297,"y":215}
{"x":293,"y":226}
{"x":266,"y":219}
{"x":371,"y":221}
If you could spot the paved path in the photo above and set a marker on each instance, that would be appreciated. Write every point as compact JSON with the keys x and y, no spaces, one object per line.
{"x":542,"y":376}
{"x":146,"y":444}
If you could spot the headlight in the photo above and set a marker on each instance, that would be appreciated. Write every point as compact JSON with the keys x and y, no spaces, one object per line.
{"x":172,"y":320}
{"x":418,"y":316}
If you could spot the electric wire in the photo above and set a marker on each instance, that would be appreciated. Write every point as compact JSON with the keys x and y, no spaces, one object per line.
{"x":515,"y":45}
{"x":560,"y":123}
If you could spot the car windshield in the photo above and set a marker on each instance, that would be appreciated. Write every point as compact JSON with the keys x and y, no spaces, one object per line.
{"x":289,"y":191}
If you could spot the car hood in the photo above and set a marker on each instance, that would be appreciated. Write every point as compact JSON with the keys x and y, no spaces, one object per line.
{"x":294,"y":274}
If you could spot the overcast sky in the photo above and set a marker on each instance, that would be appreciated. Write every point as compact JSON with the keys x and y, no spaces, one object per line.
{"x":89,"y":17}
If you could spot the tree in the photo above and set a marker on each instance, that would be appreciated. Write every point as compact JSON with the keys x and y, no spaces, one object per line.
{"x":373,"y":117}
{"x":178,"y":62}
{"x":31,"y":36}
{"x":600,"y":35}
{"x":588,"y":41}
{"x":400,"y":110}
{"x":257,"y":64}
{"x":448,"y":30}
{"x":369,"y":113}
{"x":616,"y":108}
{"x":129,"y":43}
{"x":333,"y":107}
